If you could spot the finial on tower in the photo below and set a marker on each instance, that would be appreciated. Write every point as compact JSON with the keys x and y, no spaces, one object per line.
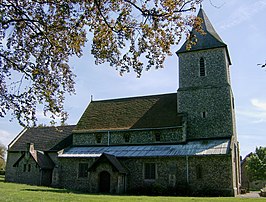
{"x":200,"y":5}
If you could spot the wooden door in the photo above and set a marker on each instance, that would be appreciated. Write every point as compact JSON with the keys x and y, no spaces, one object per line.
{"x":104,"y":182}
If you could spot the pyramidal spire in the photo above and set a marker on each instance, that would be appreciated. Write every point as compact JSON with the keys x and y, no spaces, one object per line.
{"x":204,"y":41}
{"x":207,"y":26}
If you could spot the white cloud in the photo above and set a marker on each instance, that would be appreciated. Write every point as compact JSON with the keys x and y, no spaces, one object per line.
{"x":244,"y":13}
{"x":6,"y":137}
{"x":259,"y":104}
{"x":45,"y":119}
{"x":256,"y":113}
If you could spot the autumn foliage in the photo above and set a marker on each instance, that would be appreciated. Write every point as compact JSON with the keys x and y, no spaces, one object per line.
{"x":39,"y":36}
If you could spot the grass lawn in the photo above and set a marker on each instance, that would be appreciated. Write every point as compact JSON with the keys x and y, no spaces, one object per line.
{"x":21,"y":192}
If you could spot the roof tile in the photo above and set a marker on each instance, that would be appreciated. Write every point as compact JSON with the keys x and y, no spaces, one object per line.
{"x":131,"y":113}
{"x":43,"y":138}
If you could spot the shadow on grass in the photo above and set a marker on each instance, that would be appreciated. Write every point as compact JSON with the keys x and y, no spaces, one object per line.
{"x":63,"y":191}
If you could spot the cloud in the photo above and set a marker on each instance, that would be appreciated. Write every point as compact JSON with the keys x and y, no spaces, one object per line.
{"x":256,"y":113}
{"x":260,"y":105}
{"x":244,"y":13}
{"x":6,"y":137}
{"x":46,"y":119}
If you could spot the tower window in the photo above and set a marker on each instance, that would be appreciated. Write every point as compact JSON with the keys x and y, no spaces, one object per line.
{"x":204,"y":114}
{"x":202,"y":67}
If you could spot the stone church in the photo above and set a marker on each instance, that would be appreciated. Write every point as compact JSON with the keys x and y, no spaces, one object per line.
{"x":183,"y":142}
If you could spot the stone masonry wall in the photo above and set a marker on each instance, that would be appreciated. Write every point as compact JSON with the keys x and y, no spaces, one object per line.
{"x":207,"y":100}
{"x":216,"y":173}
{"x":171,"y":174}
{"x":11,"y":171}
{"x":174,"y":135}
{"x":69,"y":173}
{"x":216,"y":65}
{"x":18,"y":174}
{"x":216,"y":104}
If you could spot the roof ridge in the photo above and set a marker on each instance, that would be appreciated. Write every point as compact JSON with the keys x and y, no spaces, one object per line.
{"x":45,"y":127}
{"x":134,"y":97}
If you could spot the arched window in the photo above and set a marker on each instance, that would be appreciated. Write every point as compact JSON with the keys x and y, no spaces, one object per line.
{"x":202,"y":67}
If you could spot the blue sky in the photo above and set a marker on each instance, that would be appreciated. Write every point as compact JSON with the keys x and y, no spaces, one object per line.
{"x":241,"y":25}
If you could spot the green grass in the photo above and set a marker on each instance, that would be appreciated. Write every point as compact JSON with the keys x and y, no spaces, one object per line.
{"x":21,"y":192}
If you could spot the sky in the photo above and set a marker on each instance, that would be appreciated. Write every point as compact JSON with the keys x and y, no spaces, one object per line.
{"x":241,"y":25}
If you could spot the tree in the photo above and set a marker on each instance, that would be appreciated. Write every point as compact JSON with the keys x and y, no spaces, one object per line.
{"x":39,"y":36}
{"x":2,"y":156}
{"x":256,"y":164}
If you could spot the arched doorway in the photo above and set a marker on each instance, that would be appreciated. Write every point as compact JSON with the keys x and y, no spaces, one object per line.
{"x":104,"y":182}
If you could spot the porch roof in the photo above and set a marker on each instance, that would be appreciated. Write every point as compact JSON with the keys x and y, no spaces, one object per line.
{"x":111,"y":159}
{"x":191,"y":148}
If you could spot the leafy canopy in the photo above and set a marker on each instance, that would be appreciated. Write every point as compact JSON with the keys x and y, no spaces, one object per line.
{"x":256,"y":164}
{"x":39,"y":36}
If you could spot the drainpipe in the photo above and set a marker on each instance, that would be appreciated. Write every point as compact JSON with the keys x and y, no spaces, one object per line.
{"x":108,"y":137}
{"x":187,"y":169}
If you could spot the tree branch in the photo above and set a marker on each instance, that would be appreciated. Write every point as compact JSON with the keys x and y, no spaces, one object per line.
{"x":104,"y":18}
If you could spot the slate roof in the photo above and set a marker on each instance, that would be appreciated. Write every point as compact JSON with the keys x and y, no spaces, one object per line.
{"x":111,"y":159}
{"x":191,"y":148}
{"x":209,"y":40}
{"x":155,"y":111}
{"x":43,"y":138}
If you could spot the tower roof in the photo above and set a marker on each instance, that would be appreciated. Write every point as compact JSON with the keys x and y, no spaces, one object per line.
{"x":205,"y":41}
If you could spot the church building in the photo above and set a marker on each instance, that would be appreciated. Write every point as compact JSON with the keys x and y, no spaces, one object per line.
{"x":179,"y":143}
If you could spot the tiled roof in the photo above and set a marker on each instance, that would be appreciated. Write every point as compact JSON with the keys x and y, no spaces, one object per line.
{"x":191,"y":148}
{"x":154,"y":111}
{"x":209,"y":40}
{"x":43,"y":138}
{"x":111,"y":159}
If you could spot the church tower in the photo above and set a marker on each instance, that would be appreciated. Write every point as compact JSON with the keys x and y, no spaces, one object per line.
{"x":204,"y":92}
